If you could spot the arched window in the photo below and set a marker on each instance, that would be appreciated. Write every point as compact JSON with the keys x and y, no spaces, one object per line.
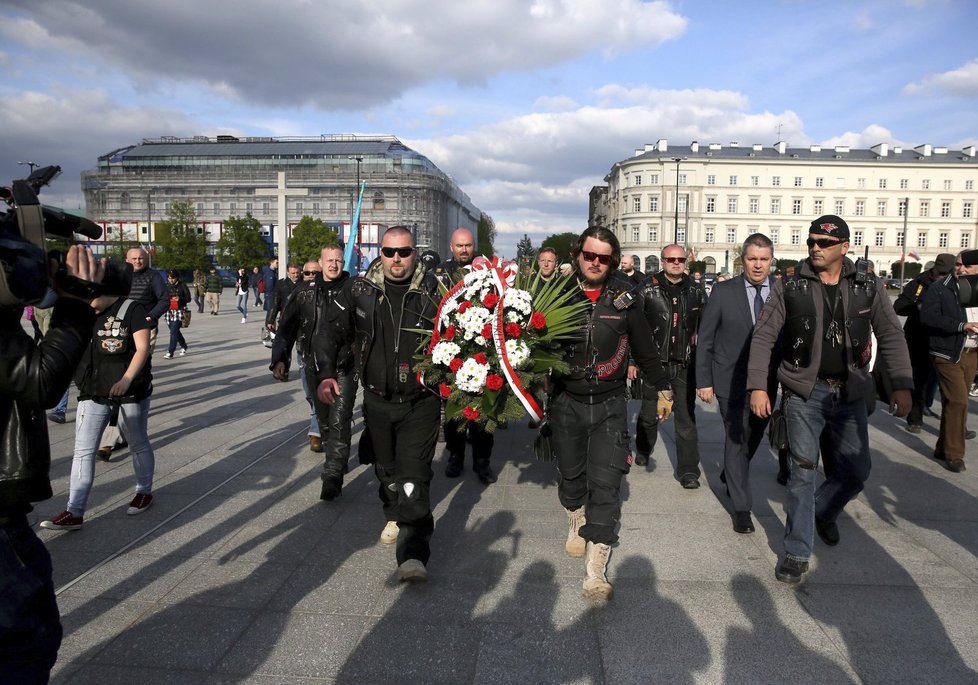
{"x":651,"y":264}
{"x":711,"y":265}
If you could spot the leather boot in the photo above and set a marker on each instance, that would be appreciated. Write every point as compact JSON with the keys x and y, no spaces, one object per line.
{"x":575,"y":546}
{"x":315,"y":443}
{"x":596,"y":585}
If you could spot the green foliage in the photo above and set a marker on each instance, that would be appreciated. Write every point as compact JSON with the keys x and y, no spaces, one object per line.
{"x":487,"y":236}
{"x":180,"y":240}
{"x":910,"y":269}
{"x":698,"y":265}
{"x":785,"y":264}
{"x":309,"y":237}
{"x":563,"y":243}
{"x":241,"y":243}
{"x":524,"y":249}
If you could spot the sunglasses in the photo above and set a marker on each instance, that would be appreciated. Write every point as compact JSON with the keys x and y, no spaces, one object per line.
{"x":674,"y":260}
{"x":311,"y":273}
{"x":823,"y":243}
{"x":604,"y":259}
{"x":402,"y":252}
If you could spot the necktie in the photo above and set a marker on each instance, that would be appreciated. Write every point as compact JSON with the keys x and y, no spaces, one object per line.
{"x":758,"y":302}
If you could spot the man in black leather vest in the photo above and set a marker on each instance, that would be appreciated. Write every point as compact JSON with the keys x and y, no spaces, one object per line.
{"x":673,"y":303}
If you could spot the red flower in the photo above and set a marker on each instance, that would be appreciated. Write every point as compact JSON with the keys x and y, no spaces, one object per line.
{"x":465,"y":305}
{"x":444,"y":390}
{"x":513,"y":330}
{"x":487,"y":332}
{"x":481,"y":358}
{"x":470,"y":413}
{"x":455,"y":365}
{"x":449,"y":333}
{"x":434,"y":338}
{"x":490,"y":300}
{"x":538,"y":321}
{"x":494,"y":381}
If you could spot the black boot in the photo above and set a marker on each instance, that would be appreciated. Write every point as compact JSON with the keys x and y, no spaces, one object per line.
{"x":454,"y":467}
{"x":484,"y":472}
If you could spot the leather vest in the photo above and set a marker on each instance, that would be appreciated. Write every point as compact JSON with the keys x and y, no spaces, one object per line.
{"x":801,"y":320}
{"x":658,"y":311}
{"x":600,"y":356}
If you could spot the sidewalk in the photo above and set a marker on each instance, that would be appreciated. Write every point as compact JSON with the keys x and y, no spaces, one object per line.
{"x":240,"y":574}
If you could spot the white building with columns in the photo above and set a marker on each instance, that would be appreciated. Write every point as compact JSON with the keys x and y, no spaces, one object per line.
{"x":711,"y":197}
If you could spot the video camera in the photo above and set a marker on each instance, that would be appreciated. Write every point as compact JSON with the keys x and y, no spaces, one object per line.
{"x":968,"y":285}
{"x":24,"y":258}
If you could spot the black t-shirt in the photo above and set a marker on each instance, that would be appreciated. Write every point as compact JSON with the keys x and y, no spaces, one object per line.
{"x":393,"y":319}
{"x":833,"y":362}
{"x":110,"y":352}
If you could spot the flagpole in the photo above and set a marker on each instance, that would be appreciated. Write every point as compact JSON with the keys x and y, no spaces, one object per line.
{"x":354,"y":232}
{"x":903,"y":255}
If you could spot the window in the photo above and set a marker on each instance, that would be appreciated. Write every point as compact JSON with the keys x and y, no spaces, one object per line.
{"x":754,"y":206}
{"x":635,"y":234}
{"x":818,"y":207}
{"x":249,"y":206}
{"x":775,"y":235}
{"x":901,"y":207}
{"x":899,"y":242}
{"x":947,"y":185}
{"x":925,"y":184}
{"x":775,"y":206}
{"x":682,"y":203}
{"x":857,"y":238}
{"x":731,"y":234}
{"x":217,"y":207}
{"x":860,"y":182}
{"x":636,"y":204}
{"x":881,"y":208}
{"x":924,"y":208}
{"x":653,"y":234}
{"x":797,"y":181}
{"x":733,"y":180}
{"x":732,"y":205}
{"x":796,"y":237}
{"x":298,"y":206}
{"x":969,"y":184}
{"x":840,"y":206}
{"x":315,"y":206}
{"x":200,"y":207}
{"x":681,"y":236}
{"x":945,"y":209}
{"x":942,"y":240}
{"x":265,"y":206}
{"x":711,"y":180}
{"x":332,"y":206}
{"x":882,"y":184}
{"x":682,"y":179}
{"x":638,"y":179}
{"x":755,"y":180}
{"x":904,"y":183}
{"x":819,"y":182}
{"x":921,"y":239}
{"x":965,"y":240}
{"x":708,"y":234}
{"x":880,"y":239}
{"x":860,"y":208}
{"x":233,"y":207}
{"x":796,"y":206}
{"x":966,"y":210}
{"x":654,"y":203}
{"x":776,"y":181}
{"x":654,"y":179}
{"x":840,"y":182}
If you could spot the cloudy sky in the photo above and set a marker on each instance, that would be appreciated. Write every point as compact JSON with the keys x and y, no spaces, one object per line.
{"x":526,"y":103}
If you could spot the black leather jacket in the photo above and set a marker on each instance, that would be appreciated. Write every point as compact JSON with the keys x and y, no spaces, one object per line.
{"x":33,"y":378}
{"x":304,"y":318}
{"x":360,"y":314}
{"x":659,"y":313}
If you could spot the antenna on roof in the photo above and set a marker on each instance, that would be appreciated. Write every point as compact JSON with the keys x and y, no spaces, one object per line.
{"x":780,"y":126}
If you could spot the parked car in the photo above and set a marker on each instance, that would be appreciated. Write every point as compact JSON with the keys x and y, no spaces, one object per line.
{"x":228,"y":279}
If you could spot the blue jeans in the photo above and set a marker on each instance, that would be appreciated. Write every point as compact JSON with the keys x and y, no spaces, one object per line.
{"x":257,"y":296}
{"x":844,"y":425}
{"x":243,"y":304}
{"x":30,"y":628}
{"x":62,"y":407}
{"x":176,"y":336}
{"x":313,"y":421}
{"x":91,"y":419}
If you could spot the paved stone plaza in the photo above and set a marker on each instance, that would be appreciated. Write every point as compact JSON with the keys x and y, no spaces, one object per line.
{"x":240,"y":574}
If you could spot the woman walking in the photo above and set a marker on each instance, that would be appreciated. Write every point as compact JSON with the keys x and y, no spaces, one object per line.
{"x":179,"y":297}
{"x":113,"y":378}
{"x":199,"y":289}
{"x":242,"y":290}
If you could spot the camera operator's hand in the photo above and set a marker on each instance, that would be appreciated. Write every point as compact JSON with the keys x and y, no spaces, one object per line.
{"x":80,"y":263}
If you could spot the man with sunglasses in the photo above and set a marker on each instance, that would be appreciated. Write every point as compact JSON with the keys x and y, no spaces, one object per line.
{"x":587,"y":409}
{"x":826,"y":315}
{"x":673,"y":303}
{"x":383,"y":314}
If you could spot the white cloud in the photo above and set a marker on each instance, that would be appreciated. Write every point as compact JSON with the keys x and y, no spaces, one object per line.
{"x":362,"y":54}
{"x":559,"y":103}
{"x":962,"y":81}
{"x":869,"y":136}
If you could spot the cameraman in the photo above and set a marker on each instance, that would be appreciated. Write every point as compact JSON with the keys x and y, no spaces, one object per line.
{"x":32,"y":378}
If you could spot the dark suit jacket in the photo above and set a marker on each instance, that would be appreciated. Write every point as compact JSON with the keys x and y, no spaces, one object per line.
{"x":723,"y":343}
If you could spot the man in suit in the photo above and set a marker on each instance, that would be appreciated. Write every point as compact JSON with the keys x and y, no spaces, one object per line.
{"x":723,"y":350}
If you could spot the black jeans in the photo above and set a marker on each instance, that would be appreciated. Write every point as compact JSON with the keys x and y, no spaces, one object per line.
{"x":592,"y":445}
{"x":684,"y":403}
{"x":30,"y":627}
{"x":334,"y":421}
{"x":403,"y":436}
{"x":482,"y":442}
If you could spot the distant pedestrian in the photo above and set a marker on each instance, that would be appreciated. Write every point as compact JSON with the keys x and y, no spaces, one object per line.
{"x":269,"y":275}
{"x":242,"y":291}
{"x":257,"y":284}
{"x":199,"y":289}
{"x":178,"y":298}
{"x":212,"y":290}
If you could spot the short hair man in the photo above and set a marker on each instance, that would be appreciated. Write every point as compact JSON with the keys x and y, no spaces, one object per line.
{"x":722,"y":351}
{"x":381,"y":314}
{"x":953,"y":343}
{"x":280,"y":295}
{"x":628,"y":271}
{"x":827,"y":313}
{"x":547,"y":262}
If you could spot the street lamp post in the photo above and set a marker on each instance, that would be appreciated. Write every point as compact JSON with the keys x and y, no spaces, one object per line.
{"x":30,"y":164}
{"x":677,"y":160}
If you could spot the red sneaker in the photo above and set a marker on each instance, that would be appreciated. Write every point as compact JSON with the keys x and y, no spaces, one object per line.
{"x":63,"y":521}
{"x":140,"y":503}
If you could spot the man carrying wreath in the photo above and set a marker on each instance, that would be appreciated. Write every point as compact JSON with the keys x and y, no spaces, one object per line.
{"x":587,"y":409}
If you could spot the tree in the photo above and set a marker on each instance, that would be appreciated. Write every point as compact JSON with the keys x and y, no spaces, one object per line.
{"x":524,"y":249}
{"x":241,"y":243}
{"x":785,"y":264}
{"x":180,"y":240}
{"x":563,"y":243}
{"x":309,"y":237}
{"x":910,"y":269}
{"x":698,"y":265}
{"x":487,"y":236}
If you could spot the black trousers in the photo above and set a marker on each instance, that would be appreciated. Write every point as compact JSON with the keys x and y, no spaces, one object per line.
{"x":482,"y":442}
{"x":683,"y":383}
{"x":334,"y":422}
{"x":592,"y":445}
{"x":923,"y":372}
{"x":403,"y":436}
{"x":743,"y":434}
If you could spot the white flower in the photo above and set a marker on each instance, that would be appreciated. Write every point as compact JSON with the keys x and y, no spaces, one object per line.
{"x":472,"y":321}
{"x":520,"y":300}
{"x":471,"y":376}
{"x":518,"y":352}
{"x":445,"y":352}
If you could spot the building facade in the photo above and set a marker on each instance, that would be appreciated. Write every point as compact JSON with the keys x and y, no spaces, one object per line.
{"x":711,"y":197}
{"x":133,"y":187}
